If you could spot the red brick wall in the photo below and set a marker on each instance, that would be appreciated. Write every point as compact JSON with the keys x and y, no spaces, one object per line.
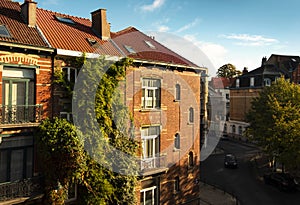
{"x":173,"y":118}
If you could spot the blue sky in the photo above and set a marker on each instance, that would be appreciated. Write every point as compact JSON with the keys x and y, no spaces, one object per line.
{"x":240,"y":32}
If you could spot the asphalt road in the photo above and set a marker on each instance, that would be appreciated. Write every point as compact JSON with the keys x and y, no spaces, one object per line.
{"x":243,"y":182}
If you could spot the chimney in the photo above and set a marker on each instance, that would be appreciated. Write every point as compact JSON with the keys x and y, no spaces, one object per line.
{"x":263,"y":61}
{"x":100,"y":25}
{"x":28,"y":11}
{"x":245,"y":70}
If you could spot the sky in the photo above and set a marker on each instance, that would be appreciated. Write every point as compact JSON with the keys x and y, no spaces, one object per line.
{"x":210,"y":33}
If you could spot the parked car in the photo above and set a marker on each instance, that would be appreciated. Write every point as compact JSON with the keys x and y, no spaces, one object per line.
{"x":230,"y":161}
{"x":283,"y":181}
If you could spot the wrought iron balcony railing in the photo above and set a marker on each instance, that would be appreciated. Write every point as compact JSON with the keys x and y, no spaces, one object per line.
{"x":153,"y":165}
{"x":19,"y":189}
{"x":18,"y":114}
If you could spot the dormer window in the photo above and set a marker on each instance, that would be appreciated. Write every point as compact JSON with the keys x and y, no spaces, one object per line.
{"x":150,"y":44}
{"x":65,"y":20}
{"x":130,"y":49}
{"x":92,"y":42}
{"x":4,"y":31}
{"x":267,"y":82}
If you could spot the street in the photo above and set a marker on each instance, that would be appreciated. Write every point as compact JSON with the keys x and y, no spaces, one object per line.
{"x":244,"y":181}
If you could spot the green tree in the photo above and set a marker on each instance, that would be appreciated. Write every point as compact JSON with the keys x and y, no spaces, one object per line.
{"x":228,"y":71}
{"x":275,"y":122}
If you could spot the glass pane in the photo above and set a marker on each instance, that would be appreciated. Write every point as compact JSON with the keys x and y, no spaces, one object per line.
{"x":149,"y":197}
{"x":3,"y":166}
{"x":16,"y":165}
{"x":142,"y":198}
{"x":29,"y":162}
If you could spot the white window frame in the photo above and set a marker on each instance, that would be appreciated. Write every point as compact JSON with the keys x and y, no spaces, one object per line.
{"x":68,"y":115}
{"x":69,"y":73}
{"x":152,"y":189}
{"x":150,"y":160}
{"x":267,"y":82}
{"x":149,"y":88}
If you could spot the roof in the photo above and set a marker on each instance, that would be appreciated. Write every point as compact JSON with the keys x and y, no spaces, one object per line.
{"x":10,"y":16}
{"x":74,"y":37}
{"x":220,"y":83}
{"x":146,"y":48}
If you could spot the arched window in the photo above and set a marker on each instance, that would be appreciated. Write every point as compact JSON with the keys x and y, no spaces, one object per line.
{"x":191,"y":159}
{"x":177,"y":92}
{"x":191,"y":115}
{"x":240,"y":130}
{"x":225,"y":127}
{"x":233,"y":129}
{"x":177,"y":141}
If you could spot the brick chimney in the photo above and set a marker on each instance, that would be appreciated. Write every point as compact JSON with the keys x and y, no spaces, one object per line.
{"x":28,"y":11}
{"x":100,"y":25}
{"x":263,"y":61}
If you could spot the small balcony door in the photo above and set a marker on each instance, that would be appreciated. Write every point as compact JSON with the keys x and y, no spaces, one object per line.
{"x":150,"y":145}
{"x":18,"y":95}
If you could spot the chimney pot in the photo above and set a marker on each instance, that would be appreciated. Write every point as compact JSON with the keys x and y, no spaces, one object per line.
{"x":100,"y":25}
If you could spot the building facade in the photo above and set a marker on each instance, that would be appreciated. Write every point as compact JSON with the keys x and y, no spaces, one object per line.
{"x":25,"y":83}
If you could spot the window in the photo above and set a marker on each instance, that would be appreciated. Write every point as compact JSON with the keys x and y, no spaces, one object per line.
{"x":150,"y":44}
{"x":150,"y":146}
{"x":240,"y":130}
{"x":16,"y":164}
{"x":225,"y":127}
{"x":267,"y":82}
{"x":191,"y":115}
{"x":227,"y":96}
{"x":64,"y":20}
{"x":151,"y":93}
{"x":70,"y":74}
{"x":233,"y":129}
{"x":18,"y":93}
{"x":237,"y":83}
{"x":130,"y":49}
{"x":177,"y":92}
{"x":251,"y":81}
{"x":149,"y":196}
{"x":191,"y":159}
{"x":66,"y":115}
{"x":177,"y":141}
{"x":4,"y":31}
{"x":176,"y":184}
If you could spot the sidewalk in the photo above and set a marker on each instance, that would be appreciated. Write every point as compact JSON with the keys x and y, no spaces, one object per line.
{"x":210,"y":195}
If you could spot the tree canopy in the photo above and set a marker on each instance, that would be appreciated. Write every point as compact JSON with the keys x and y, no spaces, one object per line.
{"x":275,"y":122}
{"x":228,"y":71}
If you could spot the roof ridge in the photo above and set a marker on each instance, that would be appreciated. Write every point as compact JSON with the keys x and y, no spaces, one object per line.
{"x":65,"y":15}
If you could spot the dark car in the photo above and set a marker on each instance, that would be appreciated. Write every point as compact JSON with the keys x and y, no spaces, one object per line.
{"x":283,"y":181}
{"x":230,"y":161}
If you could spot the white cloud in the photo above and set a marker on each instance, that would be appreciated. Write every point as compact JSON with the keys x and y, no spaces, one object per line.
{"x":155,"y":5}
{"x":163,"y":28}
{"x":188,"y":26}
{"x":251,"y":40}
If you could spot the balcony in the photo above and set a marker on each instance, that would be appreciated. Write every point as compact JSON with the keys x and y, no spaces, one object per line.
{"x":154,"y":165}
{"x":12,"y":115}
{"x":21,"y":190}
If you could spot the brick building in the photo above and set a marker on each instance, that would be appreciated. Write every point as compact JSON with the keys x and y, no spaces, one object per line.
{"x":165,"y":93}
{"x":249,"y":85}
{"x":25,"y":84}
{"x":162,"y":92}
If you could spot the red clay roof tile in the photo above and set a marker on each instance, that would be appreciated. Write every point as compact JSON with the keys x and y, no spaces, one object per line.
{"x":10,"y":16}
{"x":72,"y":36}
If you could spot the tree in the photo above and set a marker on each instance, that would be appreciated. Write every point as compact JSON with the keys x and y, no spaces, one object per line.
{"x":228,"y":71}
{"x":275,"y":122}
